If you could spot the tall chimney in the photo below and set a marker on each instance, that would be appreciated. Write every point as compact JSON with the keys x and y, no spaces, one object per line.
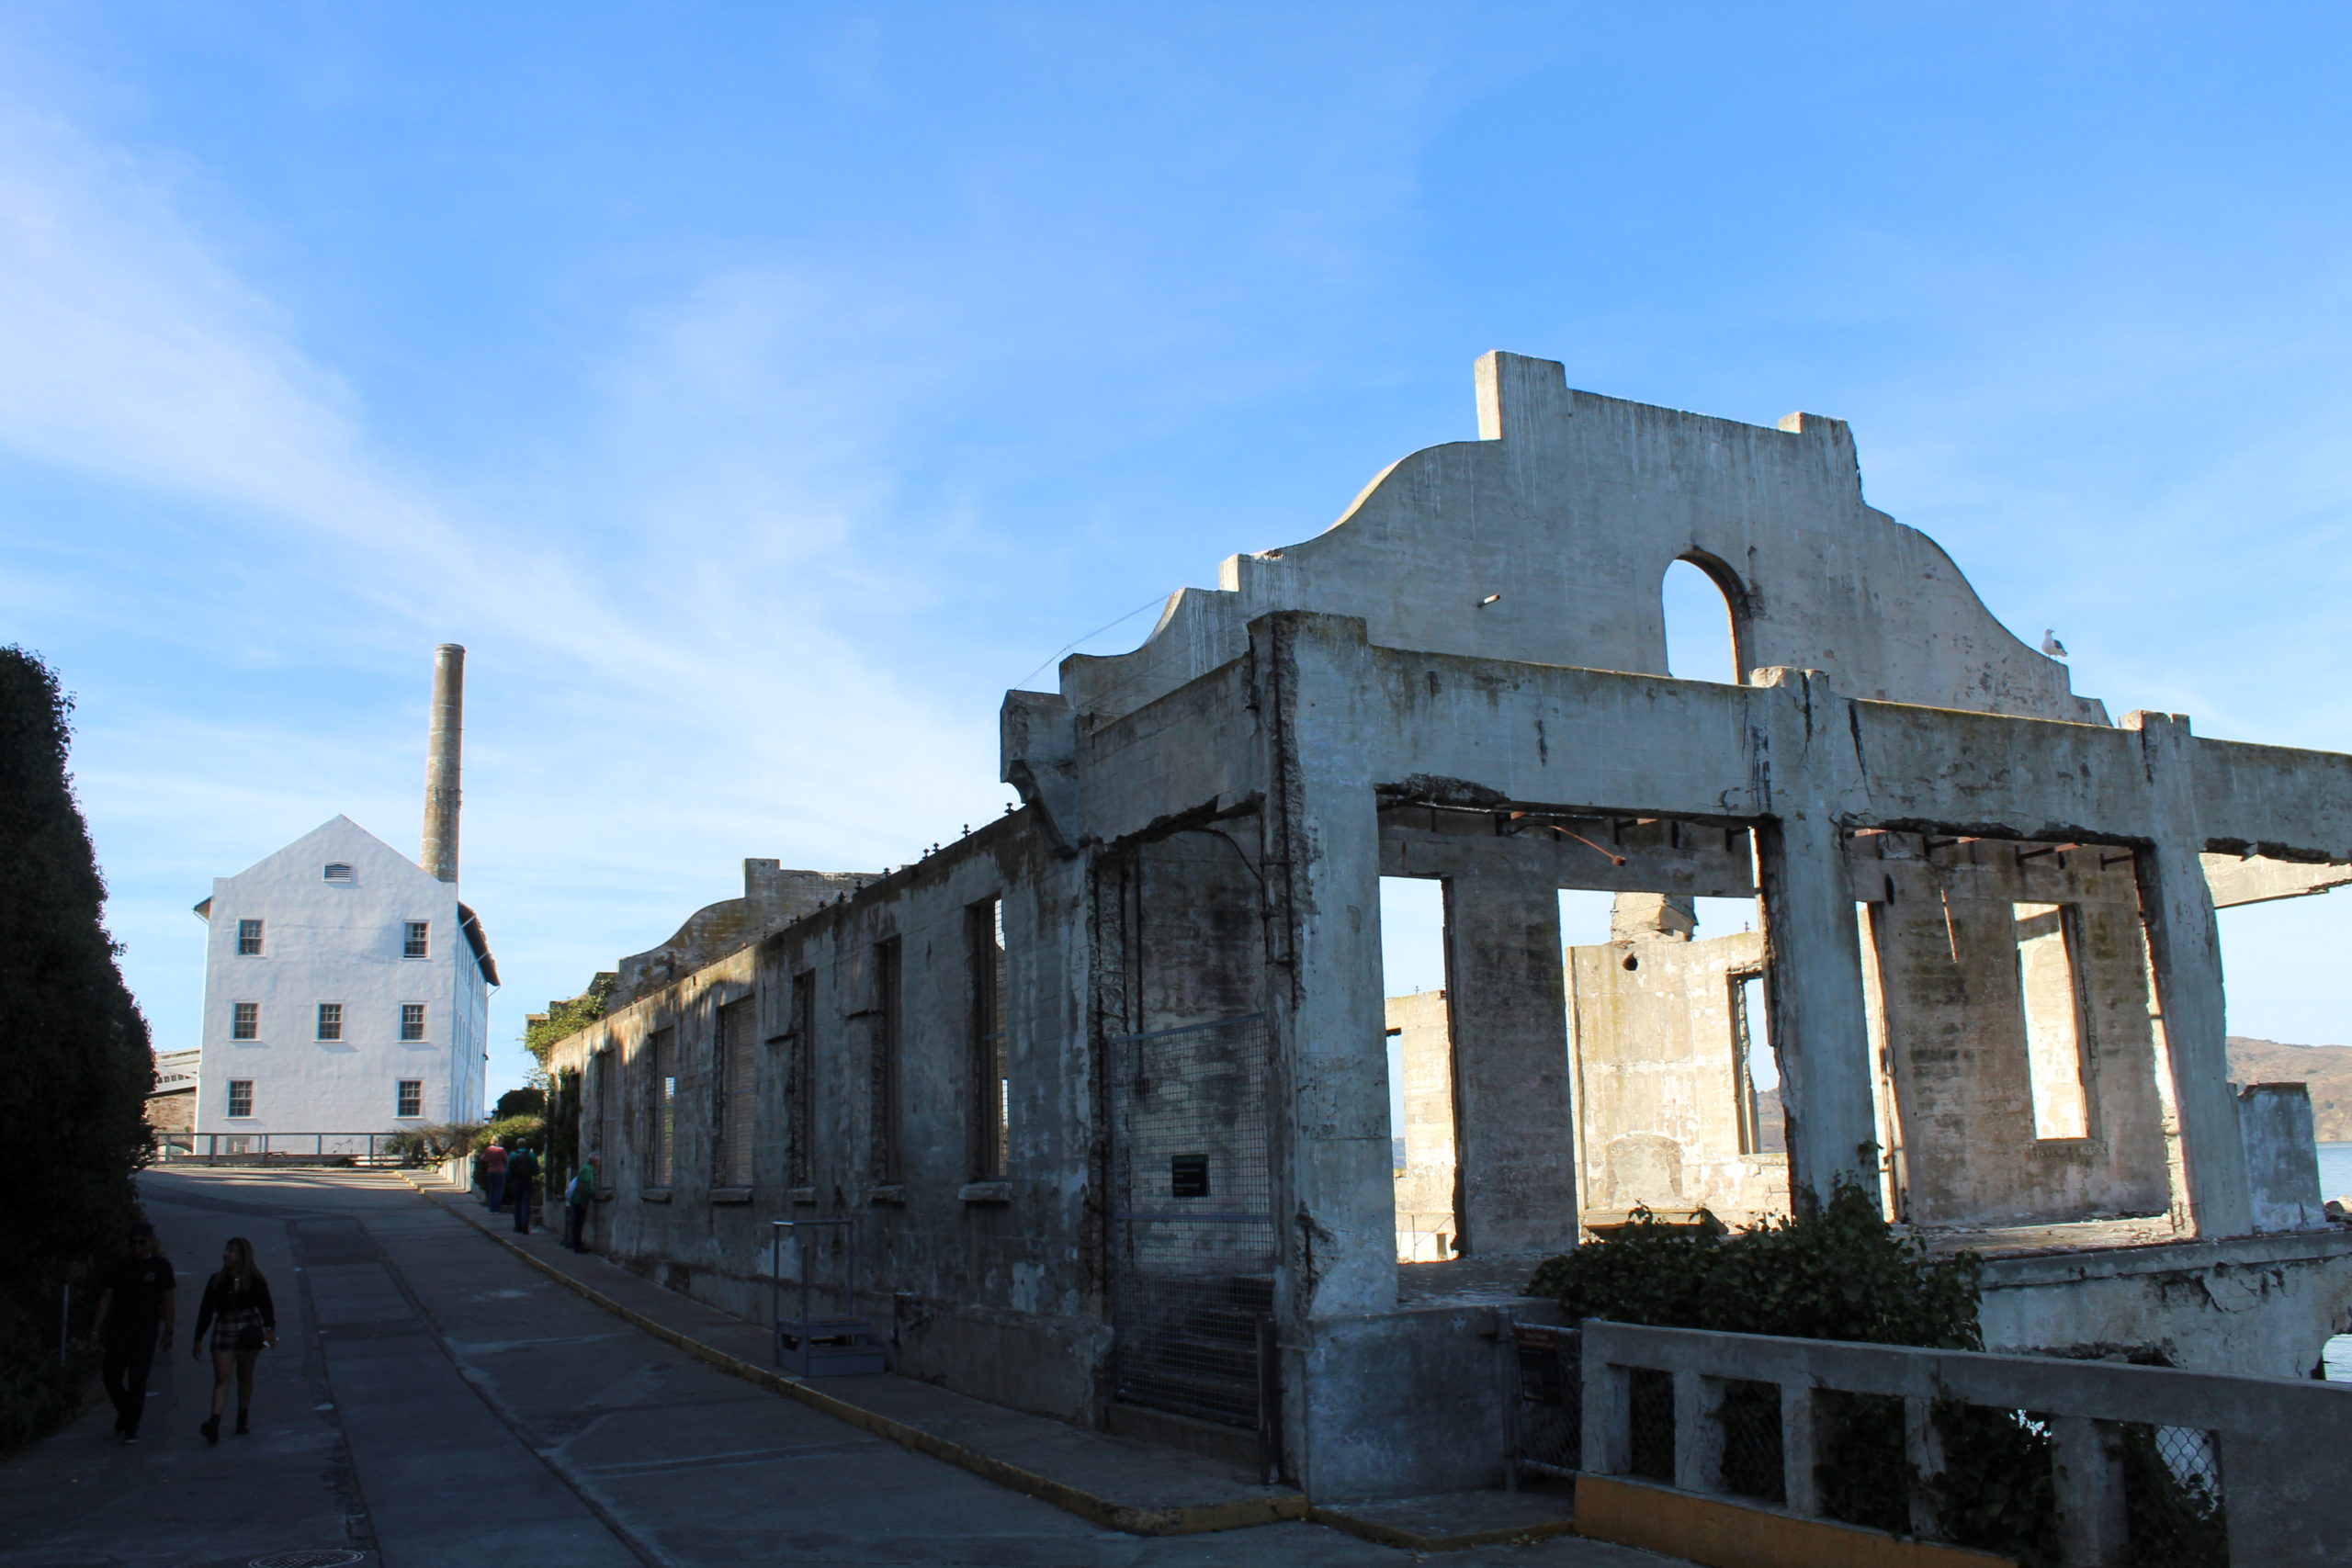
{"x":440,"y":855}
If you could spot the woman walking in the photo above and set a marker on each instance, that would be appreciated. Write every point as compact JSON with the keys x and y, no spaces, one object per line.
{"x":236,"y":1307}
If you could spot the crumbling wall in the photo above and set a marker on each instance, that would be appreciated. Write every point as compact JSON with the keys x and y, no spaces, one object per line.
{"x":1657,"y":1077}
{"x":1978,"y":942}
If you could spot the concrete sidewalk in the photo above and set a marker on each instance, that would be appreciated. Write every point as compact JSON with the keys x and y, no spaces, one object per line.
{"x":1138,"y":1487}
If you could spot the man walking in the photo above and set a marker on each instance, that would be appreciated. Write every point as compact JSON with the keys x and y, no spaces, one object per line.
{"x":522,"y":1167}
{"x":137,"y":1295}
{"x":493,"y":1176}
{"x":578,"y":1199}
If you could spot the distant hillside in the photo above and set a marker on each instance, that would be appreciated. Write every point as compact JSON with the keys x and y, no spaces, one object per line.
{"x":2327,"y":1068}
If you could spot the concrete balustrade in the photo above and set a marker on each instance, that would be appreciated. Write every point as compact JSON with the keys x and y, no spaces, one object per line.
{"x":2279,"y":1441}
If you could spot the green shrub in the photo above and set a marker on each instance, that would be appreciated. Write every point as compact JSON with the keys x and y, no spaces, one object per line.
{"x":431,"y":1145}
{"x":1843,"y":1274}
{"x":507,"y":1131}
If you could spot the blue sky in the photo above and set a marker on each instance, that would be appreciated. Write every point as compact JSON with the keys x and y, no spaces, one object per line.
{"x":758,"y":390}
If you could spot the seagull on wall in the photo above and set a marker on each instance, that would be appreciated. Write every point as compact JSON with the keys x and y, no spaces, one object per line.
{"x":2050,"y":645}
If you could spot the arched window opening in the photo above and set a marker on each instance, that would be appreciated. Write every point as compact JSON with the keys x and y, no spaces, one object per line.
{"x":1702,"y":639}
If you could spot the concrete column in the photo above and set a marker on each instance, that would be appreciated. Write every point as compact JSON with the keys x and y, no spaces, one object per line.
{"x":2092,"y":1531}
{"x":1334,"y":1176}
{"x":2184,"y":966}
{"x":1820,"y":1029}
{"x":1514,"y":1140}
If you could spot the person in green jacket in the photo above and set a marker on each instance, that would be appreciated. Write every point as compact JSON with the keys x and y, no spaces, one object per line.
{"x":578,"y":1199}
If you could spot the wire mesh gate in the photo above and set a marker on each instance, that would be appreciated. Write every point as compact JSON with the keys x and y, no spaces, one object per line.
{"x":1193,"y":1222}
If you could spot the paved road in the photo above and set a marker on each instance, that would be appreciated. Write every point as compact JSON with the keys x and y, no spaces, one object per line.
{"x":436,"y":1400}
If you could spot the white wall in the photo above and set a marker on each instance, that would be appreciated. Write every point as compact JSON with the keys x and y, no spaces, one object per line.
{"x":339,"y":941}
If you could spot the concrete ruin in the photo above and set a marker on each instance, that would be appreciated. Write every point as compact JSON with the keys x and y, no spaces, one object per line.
{"x":1104,"y":1083}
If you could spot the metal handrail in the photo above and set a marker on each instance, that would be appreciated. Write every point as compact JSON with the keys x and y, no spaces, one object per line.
{"x":848,"y":1286}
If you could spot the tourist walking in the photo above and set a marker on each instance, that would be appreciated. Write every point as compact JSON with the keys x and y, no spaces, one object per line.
{"x":578,"y":1199}
{"x":493,"y":1176}
{"x":236,"y":1307}
{"x":522,"y":1167}
{"x":137,"y":1296}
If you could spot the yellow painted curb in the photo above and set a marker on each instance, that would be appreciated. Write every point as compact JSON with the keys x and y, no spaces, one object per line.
{"x":1725,"y":1534}
{"x":1381,"y":1534}
{"x":1241,"y":1514}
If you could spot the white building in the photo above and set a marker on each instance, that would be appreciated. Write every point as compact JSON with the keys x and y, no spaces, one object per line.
{"x":345,"y":990}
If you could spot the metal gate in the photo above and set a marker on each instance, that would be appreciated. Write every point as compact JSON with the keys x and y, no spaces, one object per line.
{"x":1192,"y":1219}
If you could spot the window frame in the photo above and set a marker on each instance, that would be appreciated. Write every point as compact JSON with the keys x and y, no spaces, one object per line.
{"x":415,"y":1024}
{"x":990,"y":1090}
{"x":327,"y":872}
{"x":244,"y":1021}
{"x":662,"y":1107}
{"x":885,"y":1067}
{"x":416,"y":939}
{"x":246,"y":1086}
{"x":404,"y":1091}
{"x":329,"y":1030}
{"x":251,"y":939}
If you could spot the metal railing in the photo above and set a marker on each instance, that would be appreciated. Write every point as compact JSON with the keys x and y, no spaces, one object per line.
{"x":2128,"y":1464}
{"x":284,"y":1148}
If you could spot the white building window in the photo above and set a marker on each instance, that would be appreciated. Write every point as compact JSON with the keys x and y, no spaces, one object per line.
{"x":330,"y":1020}
{"x":240,"y":1097}
{"x":412,"y":1020}
{"x":249,"y":938}
{"x":337,"y":871}
{"x":417,"y":942}
{"x":244,"y":1021}
{"x":410,"y":1102}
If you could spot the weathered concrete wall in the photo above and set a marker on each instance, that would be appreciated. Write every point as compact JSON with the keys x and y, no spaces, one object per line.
{"x":991,"y":1287}
{"x":2282,"y":1157}
{"x":1944,"y":920}
{"x":2260,"y":1306}
{"x":1425,"y":1221}
{"x":1657,"y":1079}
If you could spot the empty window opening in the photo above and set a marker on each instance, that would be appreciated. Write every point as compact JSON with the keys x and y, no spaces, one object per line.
{"x":662,"y":1105}
{"x":991,"y":1080}
{"x":2053,"y":1020}
{"x":1701,"y":643}
{"x":885,"y":1129}
{"x":734,"y":1103}
{"x":249,"y":938}
{"x":337,"y":871}
{"x":416,"y":940}
{"x":1419,"y":1050}
{"x":244,"y":1021}
{"x":412,"y":1020}
{"x":800,"y":1096}
{"x":410,"y":1099}
{"x":1763,"y":1127}
{"x":240,"y":1097}
{"x":330,"y":1020}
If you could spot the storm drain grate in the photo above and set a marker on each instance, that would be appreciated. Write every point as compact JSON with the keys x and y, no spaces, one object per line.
{"x":330,"y":1557}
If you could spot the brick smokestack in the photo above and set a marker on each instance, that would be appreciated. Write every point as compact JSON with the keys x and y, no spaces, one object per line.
{"x":440,"y":856}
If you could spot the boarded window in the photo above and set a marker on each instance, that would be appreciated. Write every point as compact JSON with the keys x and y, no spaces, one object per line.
{"x":887,"y":1027}
{"x":735,"y":1105}
{"x":663,"y":1103}
{"x":2053,"y":1020}
{"x":801,"y":1092}
{"x":991,"y":1090}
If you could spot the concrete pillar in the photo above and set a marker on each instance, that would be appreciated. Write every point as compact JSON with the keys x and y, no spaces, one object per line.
{"x":1514,"y":1140}
{"x":1334,"y":1176}
{"x":1820,"y":1029}
{"x":2184,"y":966}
